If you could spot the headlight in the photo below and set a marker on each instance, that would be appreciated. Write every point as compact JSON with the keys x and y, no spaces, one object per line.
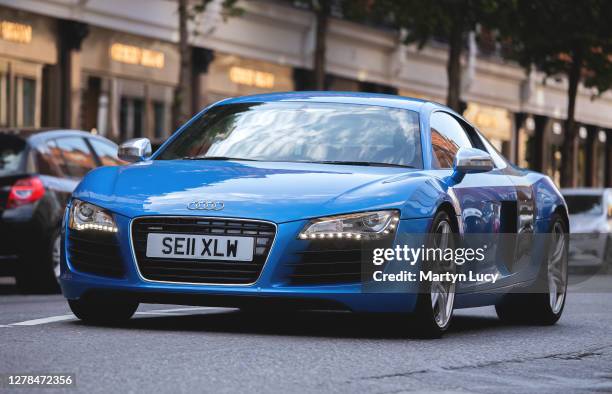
{"x":365,"y":225}
{"x":86,"y":216}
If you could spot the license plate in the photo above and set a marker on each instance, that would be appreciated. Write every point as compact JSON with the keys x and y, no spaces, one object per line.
{"x":201,"y":247}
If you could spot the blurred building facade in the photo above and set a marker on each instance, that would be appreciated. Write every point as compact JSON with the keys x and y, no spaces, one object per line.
{"x":110,"y":67}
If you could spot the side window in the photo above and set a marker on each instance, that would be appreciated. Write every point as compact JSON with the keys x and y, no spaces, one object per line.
{"x":78,"y":158}
{"x":49,"y":159}
{"x":106,"y":152}
{"x":447,"y":136}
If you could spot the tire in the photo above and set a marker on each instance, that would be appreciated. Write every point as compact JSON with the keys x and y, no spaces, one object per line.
{"x":607,"y":261}
{"x":434,"y":309}
{"x":538,"y":305}
{"x":39,"y":272}
{"x":103,"y":310}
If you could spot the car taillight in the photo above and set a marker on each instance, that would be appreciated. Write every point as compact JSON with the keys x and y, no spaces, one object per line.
{"x":25,"y":191}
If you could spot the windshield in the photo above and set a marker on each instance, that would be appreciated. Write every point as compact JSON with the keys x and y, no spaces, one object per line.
{"x":588,"y":205}
{"x":302,"y":132}
{"x":11,"y":154}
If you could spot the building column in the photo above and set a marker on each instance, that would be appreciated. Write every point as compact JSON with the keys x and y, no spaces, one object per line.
{"x":71,"y":35}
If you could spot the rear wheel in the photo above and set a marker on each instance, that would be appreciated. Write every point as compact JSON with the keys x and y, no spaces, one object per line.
{"x":436,"y":298}
{"x":103,"y":310}
{"x":543,"y":304}
{"x":38,"y":271}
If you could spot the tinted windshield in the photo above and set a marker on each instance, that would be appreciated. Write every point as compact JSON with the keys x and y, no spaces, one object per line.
{"x":302,"y":132}
{"x":590,"y":205}
{"x":11,"y":154}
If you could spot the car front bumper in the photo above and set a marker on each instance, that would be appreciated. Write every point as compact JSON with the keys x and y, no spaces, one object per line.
{"x":270,"y":288}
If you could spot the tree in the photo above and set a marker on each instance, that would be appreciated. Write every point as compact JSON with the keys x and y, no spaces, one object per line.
{"x":446,"y":20}
{"x":188,"y":12}
{"x":322,"y":10}
{"x":563,"y":38}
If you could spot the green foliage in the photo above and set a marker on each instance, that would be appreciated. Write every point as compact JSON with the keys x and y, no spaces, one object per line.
{"x":554,"y":34}
{"x":229,"y":8}
{"x":441,"y":19}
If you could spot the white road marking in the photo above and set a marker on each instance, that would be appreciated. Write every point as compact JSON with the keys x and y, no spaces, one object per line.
{"x":44,"y":320}
{"x":190,"y":309}
{"x":54,"y":319}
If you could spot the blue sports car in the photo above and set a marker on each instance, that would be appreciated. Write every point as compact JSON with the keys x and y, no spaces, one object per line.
{"x":291,"y":201}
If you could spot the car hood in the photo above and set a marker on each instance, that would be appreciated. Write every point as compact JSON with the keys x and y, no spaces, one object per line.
{"x":260,"y":190}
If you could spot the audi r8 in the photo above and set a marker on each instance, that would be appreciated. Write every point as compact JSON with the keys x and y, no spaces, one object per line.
{"x":277,"y":201}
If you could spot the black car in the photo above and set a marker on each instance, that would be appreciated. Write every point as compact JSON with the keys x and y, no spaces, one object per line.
{"x":38,"y":172}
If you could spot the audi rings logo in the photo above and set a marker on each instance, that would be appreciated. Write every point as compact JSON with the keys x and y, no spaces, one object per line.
{"x":206,"y":205}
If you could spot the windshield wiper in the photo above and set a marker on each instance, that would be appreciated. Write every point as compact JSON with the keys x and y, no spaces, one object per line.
{"x":226,"y":158}
{"x":360,"y":163}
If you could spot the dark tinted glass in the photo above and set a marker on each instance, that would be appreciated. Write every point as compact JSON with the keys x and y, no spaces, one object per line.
{"x":49,"y":159}
{"x":12,"y":150}
{"x":303,"y":132}
{"x":77,"y":158}
{"x":107,"y":152}
{"x":591,"y":205}
{"x":447,"y":136}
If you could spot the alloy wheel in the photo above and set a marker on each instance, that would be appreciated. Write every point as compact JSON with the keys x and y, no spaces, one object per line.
{"x":55,"y":257}
{"x":442,"y":292}
{"x":557,"y":268}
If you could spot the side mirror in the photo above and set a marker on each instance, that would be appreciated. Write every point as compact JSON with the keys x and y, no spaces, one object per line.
{"x":134,"y":150}
{"x":470,"y":161}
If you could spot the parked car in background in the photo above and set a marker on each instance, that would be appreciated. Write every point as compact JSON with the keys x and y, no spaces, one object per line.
{"x":590,"y":214}
{"x":38,"y":172}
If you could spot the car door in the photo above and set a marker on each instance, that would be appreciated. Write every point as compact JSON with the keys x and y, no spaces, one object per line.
{"x":487,"y":200}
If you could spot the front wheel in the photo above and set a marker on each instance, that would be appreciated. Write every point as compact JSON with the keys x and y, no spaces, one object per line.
{"x":103,"y":310}
{"x":436,"y":298}
{"x":544,"y":303}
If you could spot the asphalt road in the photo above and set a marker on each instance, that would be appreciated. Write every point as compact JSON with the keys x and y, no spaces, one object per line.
{"x":169,"y":348}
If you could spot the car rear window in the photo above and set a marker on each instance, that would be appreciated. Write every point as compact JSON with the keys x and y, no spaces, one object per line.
{"x":588,"y":204}
{"x":12,"y":154}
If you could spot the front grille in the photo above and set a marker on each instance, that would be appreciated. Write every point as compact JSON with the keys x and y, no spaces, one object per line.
{"x":95,"y":253}
{"x":328,"y":262}
{"x":202,"y":271}
{"x":327,"y":266}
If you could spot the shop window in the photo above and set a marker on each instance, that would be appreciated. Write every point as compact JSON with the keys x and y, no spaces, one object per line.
{"x":527,"y":145}
{"x":159,"y":120}
{"x":552,"y":146}
{"x":20,"y":94}
{"x":600,"y":159}
{"x":494,"y":123}
{"x":123,"y":119}
{"x":583,"y":152}
{"x":138,"y":117}
{"x":131,"y":118}
{"x":28,"y":101}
